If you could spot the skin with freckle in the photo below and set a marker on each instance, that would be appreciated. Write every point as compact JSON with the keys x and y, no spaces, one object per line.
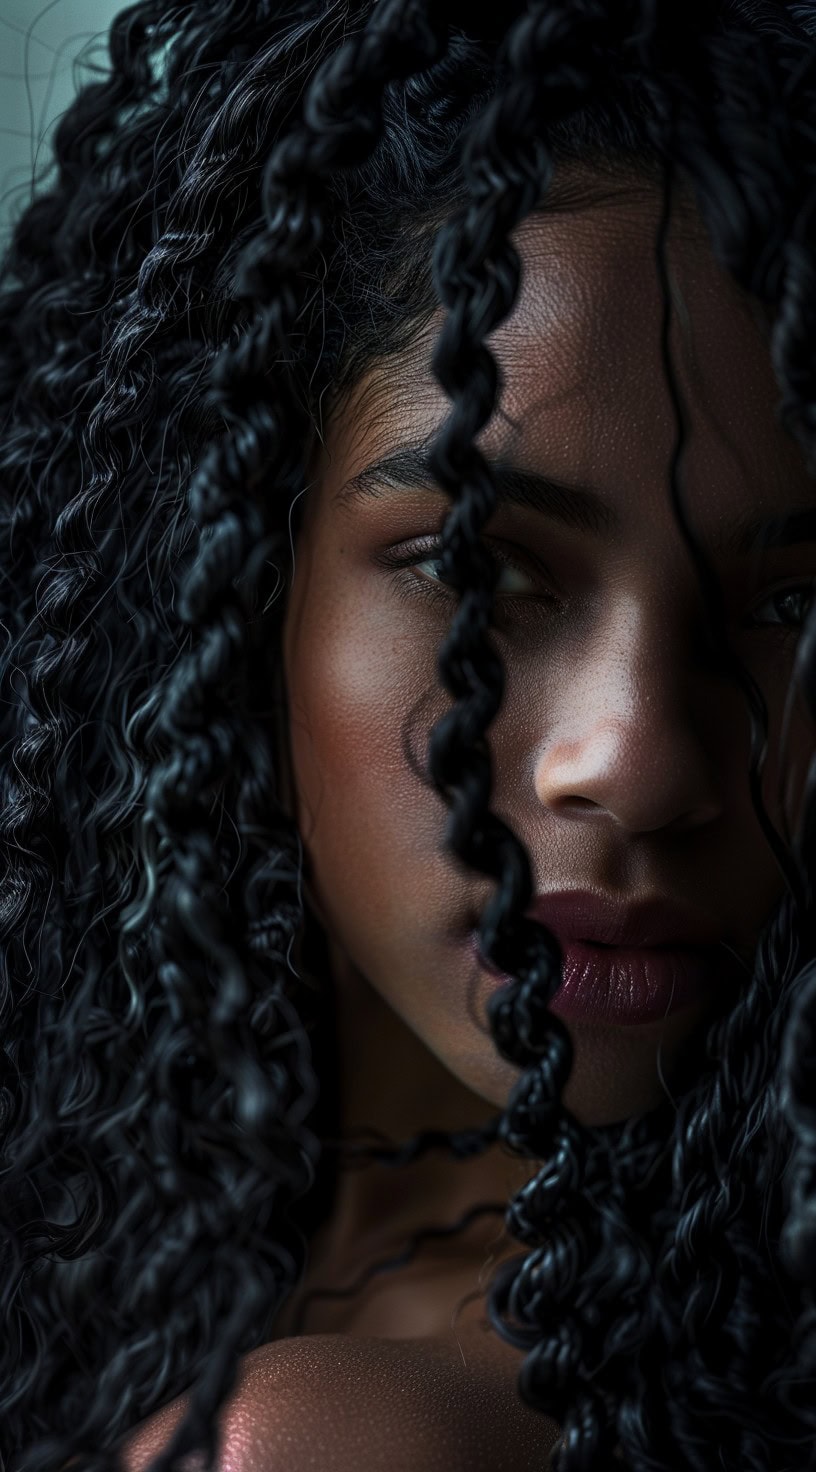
{"x":396,"y":1401}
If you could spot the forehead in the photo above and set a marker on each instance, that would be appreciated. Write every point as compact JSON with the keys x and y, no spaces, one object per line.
{"x":585,"y":392}
{"x":583,"y":357}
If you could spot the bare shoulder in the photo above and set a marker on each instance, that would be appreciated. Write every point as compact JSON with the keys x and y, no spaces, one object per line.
{"x":383,"y":1405}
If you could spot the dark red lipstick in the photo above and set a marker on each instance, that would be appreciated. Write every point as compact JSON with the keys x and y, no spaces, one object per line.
{"x":633,"y":962}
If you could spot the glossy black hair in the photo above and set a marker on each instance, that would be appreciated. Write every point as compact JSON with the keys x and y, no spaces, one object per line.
{"x":261,"y":200}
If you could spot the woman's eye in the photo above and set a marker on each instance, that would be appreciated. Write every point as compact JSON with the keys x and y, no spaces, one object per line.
{"x":513,"y":580}
{"x":790,"y":606}
{"x":524,"y":583}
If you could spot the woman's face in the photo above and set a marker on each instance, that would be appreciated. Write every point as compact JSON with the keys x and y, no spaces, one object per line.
{"x":620,"y":753}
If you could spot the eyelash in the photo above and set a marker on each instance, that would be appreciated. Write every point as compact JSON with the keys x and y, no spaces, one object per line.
{"x":425,"y":586}
{"x":792,"y":588}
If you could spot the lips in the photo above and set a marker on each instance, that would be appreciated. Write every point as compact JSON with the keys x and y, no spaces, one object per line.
{"x":652,"y":921}
{"x":625,"y":985}
{"x":635,"y":963}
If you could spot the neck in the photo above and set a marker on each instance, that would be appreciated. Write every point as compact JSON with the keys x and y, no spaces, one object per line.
{"x":391,"y":1083}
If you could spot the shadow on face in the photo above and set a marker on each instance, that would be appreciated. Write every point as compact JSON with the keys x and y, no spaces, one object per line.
{"x":621,"y":751}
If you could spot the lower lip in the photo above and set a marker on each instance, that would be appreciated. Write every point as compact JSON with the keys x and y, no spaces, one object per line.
{"x":628,"y":986}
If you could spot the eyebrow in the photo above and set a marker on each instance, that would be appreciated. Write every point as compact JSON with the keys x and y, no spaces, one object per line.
{"x":761,"y":532}
{"x":409,"y":469}
{"x":574,"y":506}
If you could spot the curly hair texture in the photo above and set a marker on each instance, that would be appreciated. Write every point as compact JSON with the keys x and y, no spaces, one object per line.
{"x":261,"y":200}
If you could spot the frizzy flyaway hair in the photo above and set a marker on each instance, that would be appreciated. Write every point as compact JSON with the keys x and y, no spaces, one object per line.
{"x":260,"y":201}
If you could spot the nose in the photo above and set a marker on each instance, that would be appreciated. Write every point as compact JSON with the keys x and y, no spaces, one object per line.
{"x":630,"y":739}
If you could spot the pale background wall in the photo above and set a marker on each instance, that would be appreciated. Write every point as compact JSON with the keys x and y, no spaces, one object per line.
{"x":46,"y":48}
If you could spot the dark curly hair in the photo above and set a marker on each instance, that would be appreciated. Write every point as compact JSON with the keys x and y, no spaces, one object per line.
{"x":261,"y":199}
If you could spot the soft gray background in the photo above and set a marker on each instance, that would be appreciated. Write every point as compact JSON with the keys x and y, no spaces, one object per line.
{"x":46,"y":50}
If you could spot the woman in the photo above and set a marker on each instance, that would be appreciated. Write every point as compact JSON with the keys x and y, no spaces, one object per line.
{"x":351,"y":333}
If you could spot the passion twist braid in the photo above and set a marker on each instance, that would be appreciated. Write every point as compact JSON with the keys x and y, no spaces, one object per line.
{"x":197,"y":945}
{"x":557,"y":56}
{"x":791,"y":347}
{"x":135,"y":1217}
{"x":719,"y":1282}
{"x":67,"y":257}
{"x":75,"y":255}
{"x":51,"y":1048}
{"x":710,"y":1216}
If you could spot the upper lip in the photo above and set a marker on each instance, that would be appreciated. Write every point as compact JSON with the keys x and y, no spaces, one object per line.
{"x":579,"y":914}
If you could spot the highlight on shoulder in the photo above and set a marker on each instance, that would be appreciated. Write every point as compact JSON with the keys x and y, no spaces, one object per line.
{"x":367,"y":1405}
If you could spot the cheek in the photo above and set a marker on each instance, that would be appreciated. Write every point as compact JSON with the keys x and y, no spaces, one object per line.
{"x":791,"y":745}
{"x":361,"y":698}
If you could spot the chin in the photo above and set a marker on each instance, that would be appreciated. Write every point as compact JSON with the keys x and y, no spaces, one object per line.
{"x":615,"y":1075}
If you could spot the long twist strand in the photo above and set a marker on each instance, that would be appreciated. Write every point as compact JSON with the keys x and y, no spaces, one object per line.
{"x":477,"y":277}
